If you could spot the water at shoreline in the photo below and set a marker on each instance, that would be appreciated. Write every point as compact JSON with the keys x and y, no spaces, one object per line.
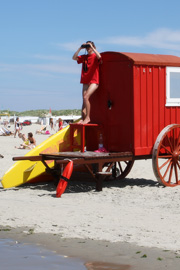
{"x":17,"y":256}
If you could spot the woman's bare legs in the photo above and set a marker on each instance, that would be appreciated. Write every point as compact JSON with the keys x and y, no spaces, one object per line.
{"x":16,"y":131}
{"x":88,"y":90}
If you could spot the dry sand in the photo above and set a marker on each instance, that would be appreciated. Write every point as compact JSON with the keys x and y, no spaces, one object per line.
{"x":132,"y":218}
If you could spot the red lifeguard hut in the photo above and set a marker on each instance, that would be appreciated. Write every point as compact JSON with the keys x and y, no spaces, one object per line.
{"x":137,"y":110}
{"x":138,"y":98}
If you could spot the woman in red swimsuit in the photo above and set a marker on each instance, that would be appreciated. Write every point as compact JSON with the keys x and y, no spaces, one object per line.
{"x":89,"y":75}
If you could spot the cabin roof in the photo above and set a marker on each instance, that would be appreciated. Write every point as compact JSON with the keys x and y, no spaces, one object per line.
{"x":144,"y":59}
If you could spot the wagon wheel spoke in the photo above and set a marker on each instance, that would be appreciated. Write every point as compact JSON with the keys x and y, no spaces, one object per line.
{"x":165,"y":163}
{"x":125,"y":168}
{"x":173,"y":139}
{"x":178,"y":141}
{"x":166,"y":149}
{"x":120,"y":169}
{"x":176,"y":172}
{"x":170,"y":143}
{"x":170,"y":174}
{"x":168,"y":167}
{"x":177,"y":162}
{"x":166,"y":156}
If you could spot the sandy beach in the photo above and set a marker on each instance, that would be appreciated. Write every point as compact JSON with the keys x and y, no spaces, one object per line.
{"x":129,"y":219}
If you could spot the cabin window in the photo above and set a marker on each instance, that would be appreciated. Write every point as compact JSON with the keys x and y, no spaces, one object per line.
{"x":173,"y":86}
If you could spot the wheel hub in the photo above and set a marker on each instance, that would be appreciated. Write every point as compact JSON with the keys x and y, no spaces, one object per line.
{"x":175,"y":155}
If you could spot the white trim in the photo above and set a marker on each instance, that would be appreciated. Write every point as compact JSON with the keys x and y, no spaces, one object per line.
{"x":171,"y":101}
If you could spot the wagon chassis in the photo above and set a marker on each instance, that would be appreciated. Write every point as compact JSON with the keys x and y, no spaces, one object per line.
{"x":99,"y":165}
{"x":165,"y":160}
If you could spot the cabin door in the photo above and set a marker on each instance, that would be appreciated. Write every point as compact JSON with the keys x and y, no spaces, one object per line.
{"x":119,"y":106}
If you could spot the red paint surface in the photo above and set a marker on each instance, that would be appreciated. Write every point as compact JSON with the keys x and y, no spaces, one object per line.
{"x":136,"y":86}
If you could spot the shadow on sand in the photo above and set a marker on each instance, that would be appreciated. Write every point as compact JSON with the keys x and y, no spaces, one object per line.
{"x":83,"y":185}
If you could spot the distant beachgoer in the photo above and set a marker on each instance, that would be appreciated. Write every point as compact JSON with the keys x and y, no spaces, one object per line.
{"x":42,"y":130}
{"x":5,"y":122}
{"x":17,"y":127}
{"x":2,"y":132}
{"x":60,"y":124}
{"x":28,"y":143}
{"x":89,"y":75}
{"x":25,"y":141}
{"x":7,"y":131}
{"x":51,"y":123}
{"x":32,"y":141}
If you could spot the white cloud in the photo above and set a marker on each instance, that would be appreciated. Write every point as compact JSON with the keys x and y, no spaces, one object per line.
{"x":53,"y":68}
{"x":43,"y":68}
{"x":70,"y":46}
{"x":51,"y":57}
{"x":163,"y":38}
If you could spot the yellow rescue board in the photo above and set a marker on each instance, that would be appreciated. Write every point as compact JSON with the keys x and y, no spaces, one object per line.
{"x":24,"y":171}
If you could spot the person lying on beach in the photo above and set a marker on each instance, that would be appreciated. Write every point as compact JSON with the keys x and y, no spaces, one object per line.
{"x":7,"y":131}
{"x":2,"y":132}
{"x":41,"y":130}
{"x":44,"y":131}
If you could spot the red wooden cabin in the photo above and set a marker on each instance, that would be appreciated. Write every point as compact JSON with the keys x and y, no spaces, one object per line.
{"x":131,"y":102}
{"x":137,"y":109}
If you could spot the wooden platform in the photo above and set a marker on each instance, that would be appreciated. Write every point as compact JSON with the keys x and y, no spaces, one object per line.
{"x":88,"y":155}
{"x":88,"y":159}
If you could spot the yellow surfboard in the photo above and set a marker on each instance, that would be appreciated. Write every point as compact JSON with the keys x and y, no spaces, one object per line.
{"x":24,"y":171}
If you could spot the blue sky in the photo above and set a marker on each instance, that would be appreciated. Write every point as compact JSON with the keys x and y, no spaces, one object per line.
{"x":39,"y":37}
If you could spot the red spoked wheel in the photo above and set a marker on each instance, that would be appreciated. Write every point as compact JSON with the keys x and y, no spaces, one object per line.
{"x":119,"y":169}
{"x":166,"y":156}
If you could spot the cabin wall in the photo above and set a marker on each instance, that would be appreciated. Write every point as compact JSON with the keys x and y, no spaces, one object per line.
{"x":138,"y":112}
{"x":150,"y":113}
{"x":116,"y":86}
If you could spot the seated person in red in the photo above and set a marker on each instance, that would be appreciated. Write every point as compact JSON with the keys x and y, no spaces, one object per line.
{"x":89,"y":75}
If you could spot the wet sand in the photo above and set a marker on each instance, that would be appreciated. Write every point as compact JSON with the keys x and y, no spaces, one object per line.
{"x":15,"y":255}
{"x":94,"y":254}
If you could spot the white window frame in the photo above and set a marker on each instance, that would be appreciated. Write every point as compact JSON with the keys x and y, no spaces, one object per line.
{"x":171,"y":101}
